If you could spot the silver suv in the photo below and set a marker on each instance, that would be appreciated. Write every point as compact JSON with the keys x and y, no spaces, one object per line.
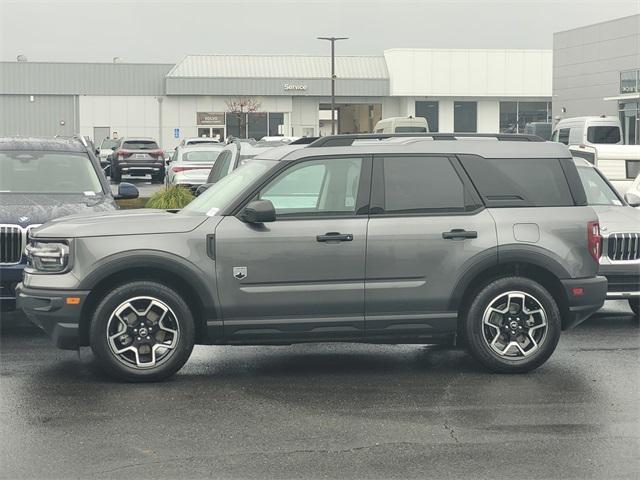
{"x":486,"y":241}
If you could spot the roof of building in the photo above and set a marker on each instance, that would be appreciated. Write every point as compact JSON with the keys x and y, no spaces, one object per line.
{"x":278,"y":66}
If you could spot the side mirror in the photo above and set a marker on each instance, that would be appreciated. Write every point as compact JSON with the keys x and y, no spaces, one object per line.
{"x":632,"y":199}
{"x":127,"y":191}
{"x":202,"y":188}
{"x":258,"y":211}
{"x":97,"y":151}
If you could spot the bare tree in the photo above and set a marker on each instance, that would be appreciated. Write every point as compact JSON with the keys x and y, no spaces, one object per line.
{"x":241,"y":106}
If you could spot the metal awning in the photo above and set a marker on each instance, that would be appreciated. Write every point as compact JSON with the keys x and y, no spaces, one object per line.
{"x":625,"y":96}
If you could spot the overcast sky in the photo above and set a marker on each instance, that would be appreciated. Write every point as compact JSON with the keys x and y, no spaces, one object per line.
{"x":164,"y":31}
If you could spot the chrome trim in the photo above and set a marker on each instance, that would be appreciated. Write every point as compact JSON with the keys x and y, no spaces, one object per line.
{"x":622,"y":295}
{"x":24,"y":237}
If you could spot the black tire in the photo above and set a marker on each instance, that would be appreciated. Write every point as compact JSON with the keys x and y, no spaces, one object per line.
{"x":116,"y":174}
{"x":178,"y":313}
{"x":476,"y":332}
{"x":634,"y":304}
{"x":157,"y":178}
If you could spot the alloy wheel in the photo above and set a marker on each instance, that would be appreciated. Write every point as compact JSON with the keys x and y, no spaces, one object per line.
{"x":514,"y":325}
{"x":143,"y":332}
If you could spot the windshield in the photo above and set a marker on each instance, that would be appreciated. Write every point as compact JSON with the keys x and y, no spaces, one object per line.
{"x":201,"y":141}
{"x":201,"y":156}
{"x":597,"y":190}
{"x":219,"y":195}
{"x":47,"y":172}
{"x":140,"y":145}
{"x":414,"y":129}
{"x":108,"y":143}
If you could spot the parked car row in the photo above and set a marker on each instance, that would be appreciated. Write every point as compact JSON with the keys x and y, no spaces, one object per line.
{"x":41,"y":180}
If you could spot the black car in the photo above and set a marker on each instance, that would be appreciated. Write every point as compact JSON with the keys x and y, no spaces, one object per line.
{"x":137,"y":156}
{"x":42,"y":179}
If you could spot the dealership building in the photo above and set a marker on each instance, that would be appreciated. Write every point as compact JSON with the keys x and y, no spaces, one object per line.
{"x":596,"y":71}
{"x":457,"y":90}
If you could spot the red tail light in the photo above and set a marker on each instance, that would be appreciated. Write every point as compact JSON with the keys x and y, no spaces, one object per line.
{"x":594,"y":240}
{"x":122,"y":154}
{"x":177,"y":168}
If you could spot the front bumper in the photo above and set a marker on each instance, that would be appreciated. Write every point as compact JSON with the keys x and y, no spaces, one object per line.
{"x":49,"y":310}
{"x":10,"y":276}
{"x":624,"y":280}
{"x":585,"y":297}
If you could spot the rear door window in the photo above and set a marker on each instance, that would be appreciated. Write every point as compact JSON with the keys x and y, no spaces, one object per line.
{"x":519,"y":182}
{"x":603,"y":134}
{"x":419,"y":184}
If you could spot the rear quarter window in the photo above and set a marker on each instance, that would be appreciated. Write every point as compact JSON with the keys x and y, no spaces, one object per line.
{"x":519,"y":182}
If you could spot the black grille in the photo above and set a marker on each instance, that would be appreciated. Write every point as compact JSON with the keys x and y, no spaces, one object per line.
{"x":623,"y":283}
{"x":623,"y":246}
{"x":11,"y":244}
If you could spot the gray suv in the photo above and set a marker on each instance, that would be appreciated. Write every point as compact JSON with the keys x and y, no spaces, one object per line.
{"x":485,"y":241}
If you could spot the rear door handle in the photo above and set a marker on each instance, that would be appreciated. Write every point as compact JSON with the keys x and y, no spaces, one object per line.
{"x":335,"y":237}
{"x":459,"y":233}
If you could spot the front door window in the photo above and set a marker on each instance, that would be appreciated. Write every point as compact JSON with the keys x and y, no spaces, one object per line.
{"x":318,"y":188}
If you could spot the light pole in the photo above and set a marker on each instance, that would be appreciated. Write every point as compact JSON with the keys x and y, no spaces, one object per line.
{"x":333,"y":41}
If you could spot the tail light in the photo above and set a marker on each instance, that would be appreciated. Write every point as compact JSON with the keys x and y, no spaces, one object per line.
{"x":594,"y":240}
{"x":176,"y":168}
{"x":122,"y":153}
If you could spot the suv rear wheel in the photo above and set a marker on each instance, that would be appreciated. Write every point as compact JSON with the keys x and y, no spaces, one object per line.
{"x":634,"y":303}
{"x":142,"y":332}
{"x":513,"y":325}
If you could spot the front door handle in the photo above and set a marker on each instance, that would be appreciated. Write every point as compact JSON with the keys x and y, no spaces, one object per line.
{"x":335,"y":237}
{"x":459,"y":233}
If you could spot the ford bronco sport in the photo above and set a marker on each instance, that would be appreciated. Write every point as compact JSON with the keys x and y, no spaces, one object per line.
{"x":379,"y":239}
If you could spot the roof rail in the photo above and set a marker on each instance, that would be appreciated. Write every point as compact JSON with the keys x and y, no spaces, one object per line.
{"x":346,"y":140}
{"x":80,"y":138}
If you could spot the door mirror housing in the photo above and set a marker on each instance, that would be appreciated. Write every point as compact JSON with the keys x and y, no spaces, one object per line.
{"x":632,"y":199}
{"x":258,"y":211}
{"x":202,"y":188}
{"x":127,"y":191}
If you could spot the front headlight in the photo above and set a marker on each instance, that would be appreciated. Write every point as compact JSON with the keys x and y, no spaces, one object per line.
{"x":47,"y":257}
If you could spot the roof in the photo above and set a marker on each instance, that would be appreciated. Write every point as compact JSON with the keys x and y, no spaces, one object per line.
{"x":485,"y":147}
{"x":42,"y":143}
{"x":279,"y":66}
{"x":66,"y":78}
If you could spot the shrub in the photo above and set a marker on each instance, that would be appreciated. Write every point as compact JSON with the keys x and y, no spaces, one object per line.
{"x":170,"y":198}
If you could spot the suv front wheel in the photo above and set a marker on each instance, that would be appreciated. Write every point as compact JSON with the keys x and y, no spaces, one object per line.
{"x":513,"y":325}
{"x":142,"y":332}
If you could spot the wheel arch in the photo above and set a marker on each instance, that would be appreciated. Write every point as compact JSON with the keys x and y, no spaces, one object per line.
{"x":166,"y":268}
{"x":547,"y":274}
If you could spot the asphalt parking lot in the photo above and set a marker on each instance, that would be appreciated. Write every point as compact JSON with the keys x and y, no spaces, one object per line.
{"x":145,"y":187}
{"x":328,"y":411}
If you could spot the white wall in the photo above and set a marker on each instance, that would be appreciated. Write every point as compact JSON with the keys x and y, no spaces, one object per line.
{"x":128,"y":116}
{"x":469,"y":72}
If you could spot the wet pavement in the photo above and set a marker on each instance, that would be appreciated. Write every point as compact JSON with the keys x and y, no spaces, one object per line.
{"x":145,"y":187}
{"x":328,"y":411}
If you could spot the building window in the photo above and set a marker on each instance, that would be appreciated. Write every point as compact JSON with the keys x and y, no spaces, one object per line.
{"x":629,"y":81}
{"x":236,"y":125}
{"x":428,"y":110}
{"x":508,"y":117}
{"x":276,"y":124}
{"x":514,"y":116}
{"x":630,"y":119}
{"x":465,"y":117}
{"x":257,"y":125}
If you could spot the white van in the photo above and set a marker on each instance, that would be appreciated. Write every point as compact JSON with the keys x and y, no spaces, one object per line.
{"x":619,"y":163}
{"x":402,"y":125}
{"x":588,"y":131}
